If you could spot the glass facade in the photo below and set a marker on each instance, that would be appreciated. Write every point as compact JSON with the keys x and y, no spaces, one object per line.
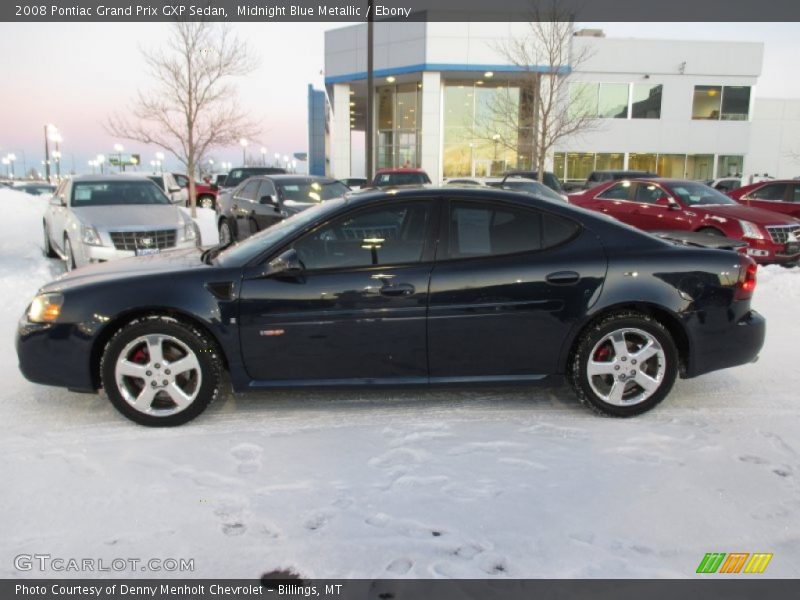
{"x":612,"y":100}
{"x":486,"y":128}
{"x":576,"y":166}
{"x":646,"y":101}
{"x":398,"y":109}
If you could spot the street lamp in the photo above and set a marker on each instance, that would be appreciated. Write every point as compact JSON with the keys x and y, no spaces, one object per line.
{"x":294,"y":166}
{"x":277,"y":158}
{"x":11,"y":158}
{"x":100,"y":160}
{"x":6,"y":163}
{"x":93,"y":164}
{"x":160,"y":161}
{"x":244,"y":144}
{"x":118,"y":149}
{"x":50,"y":131}
{"x":57,"y":157}
{"x":263,"y":156}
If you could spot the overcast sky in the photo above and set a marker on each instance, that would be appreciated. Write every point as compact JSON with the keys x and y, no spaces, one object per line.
{"x":75,"y":75}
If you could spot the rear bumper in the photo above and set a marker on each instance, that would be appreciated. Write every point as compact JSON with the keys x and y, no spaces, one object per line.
{"x":720,"y":347}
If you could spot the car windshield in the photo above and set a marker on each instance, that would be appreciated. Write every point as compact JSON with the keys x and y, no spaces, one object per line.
{"x":311,"y":191}
{"x":237,"y":176}
{"x":110,"y":193}
{"x":533,"y":187}
{"x":412,"y":178}
{"x":694,"y":194}
{"x":256,"y":244}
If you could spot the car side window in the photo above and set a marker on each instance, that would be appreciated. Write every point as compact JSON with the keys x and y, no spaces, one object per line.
{"x":267,"y":189}
{"x":248,"y":192}
{"x":772,"y":191}
{"x":379,"y":236}
{"x":617,"y":191}
{"x":795,"y":197}
{"x":493,"y":229}
{"x":648,"y":193}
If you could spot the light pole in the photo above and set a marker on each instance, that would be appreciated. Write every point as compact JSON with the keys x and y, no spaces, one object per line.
{"x":118,"y":149}
{"x":244,"y":144}
{"x":277,"y":159}
{"x":160,"y":161}
{"x":263,"y":156}
{"x":93,"y":164}
{"x":6,"y":163}
{"x":11,"y":158}
{"x":100,"y":161}
{"x":50,"y":130}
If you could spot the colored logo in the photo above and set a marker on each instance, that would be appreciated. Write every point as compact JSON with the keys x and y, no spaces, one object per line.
{"x":735,"y":562}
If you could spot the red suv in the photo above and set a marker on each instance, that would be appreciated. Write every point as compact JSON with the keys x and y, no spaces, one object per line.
{"x":778,"y":196}
{"x":664,"y":204}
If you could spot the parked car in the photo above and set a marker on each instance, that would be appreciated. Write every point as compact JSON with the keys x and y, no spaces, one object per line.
{"x":655,"y":204}
{"x":355,"y":183}
{"x":400,"y":288}
{"x":36,"y":188}
{"x":549,"y":179}
{"x":167,"y":184}
{"x":781,"y":196}
{"x":597,"y":177}
{"x":517,"y":184}
{"x":402,"y":176}
{"x":726,"y":185}
{"x":93,"y":219}
{"x":238,"y":175}
{"x":260,"y":202}
{"x":206,"y":193}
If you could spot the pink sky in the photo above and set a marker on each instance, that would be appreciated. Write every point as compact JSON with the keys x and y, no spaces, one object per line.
{"x":75,"y":75}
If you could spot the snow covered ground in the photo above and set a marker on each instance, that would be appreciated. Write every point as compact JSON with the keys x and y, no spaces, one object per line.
{"x":458,"y":483}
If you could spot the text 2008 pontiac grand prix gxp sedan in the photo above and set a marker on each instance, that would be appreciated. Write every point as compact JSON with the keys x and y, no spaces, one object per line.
{"x":412,"y":286}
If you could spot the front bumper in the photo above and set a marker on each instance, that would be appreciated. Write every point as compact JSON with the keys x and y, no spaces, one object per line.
{"x":55,"y":354}
{"x":767,"y":252}
{"x":714,"y":347}
{"x":87,"y":254}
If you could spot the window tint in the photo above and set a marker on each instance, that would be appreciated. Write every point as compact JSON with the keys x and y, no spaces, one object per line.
{"x":616,"y":192}
{"x":379,"y":236}
{"x":646,"y":102}
{"x":773,"y":191}
{"x":248,"y":192}
{"x":795,"y":197}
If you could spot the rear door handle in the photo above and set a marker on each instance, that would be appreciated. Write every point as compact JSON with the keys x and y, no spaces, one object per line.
{"x":563,"y":277}
{"x":398,"y":289}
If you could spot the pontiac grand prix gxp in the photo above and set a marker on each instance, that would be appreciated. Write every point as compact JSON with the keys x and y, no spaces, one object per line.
{"x":411,"y":286}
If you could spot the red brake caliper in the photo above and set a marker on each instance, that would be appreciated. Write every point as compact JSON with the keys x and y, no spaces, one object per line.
{"x":602,"y":354}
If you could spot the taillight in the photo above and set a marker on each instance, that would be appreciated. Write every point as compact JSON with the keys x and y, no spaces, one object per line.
{"x":747,"y":279}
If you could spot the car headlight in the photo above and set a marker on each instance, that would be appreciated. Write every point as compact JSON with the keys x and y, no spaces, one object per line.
{"x":90,"y":236}
{"x":45,"y":308}
{"x":751,"y":230}
{"x":189,"y":232}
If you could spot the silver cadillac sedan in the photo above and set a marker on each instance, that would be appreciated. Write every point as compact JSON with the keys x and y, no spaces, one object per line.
{"x":94,"y":219}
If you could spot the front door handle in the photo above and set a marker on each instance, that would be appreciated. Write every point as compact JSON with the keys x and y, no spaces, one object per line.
{"x":397,"y":289}
{"x":563,"y":277}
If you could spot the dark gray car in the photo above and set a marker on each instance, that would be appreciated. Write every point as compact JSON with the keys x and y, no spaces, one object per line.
{"x":261,"y":201}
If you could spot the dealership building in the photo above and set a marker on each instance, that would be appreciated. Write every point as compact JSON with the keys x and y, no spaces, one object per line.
{"x":677,"y":107}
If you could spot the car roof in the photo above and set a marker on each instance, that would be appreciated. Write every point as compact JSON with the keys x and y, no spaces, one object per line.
{"x":294,"y":178}
{"x":400,"y":170}
{"x":114,"y":177}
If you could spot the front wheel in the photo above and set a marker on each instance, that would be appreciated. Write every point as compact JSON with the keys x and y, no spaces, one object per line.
{"x":225,"y":233}
{"x":69,"y":261}
{"x":624,"y":364}
{"x":48,"y":247}
{"x":160,"y":372}
{"x":205,"y":201}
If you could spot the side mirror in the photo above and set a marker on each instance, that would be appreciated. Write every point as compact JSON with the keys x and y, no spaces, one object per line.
{"x":57,"y":200}
{"x":173,"y":190}
{"x":667,"y":202}
{"x":287,"y":263}
{"x":267,"y":200}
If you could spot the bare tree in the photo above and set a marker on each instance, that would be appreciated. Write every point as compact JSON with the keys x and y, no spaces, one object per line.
{"x":542,"y":114}
{"x":191,"y":107}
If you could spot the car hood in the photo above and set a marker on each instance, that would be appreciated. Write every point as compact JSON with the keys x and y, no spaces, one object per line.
{"x":295,"y":206}
{"x":747,"y":213}
{"x":171,"y":261}
{"x":129,"y":217}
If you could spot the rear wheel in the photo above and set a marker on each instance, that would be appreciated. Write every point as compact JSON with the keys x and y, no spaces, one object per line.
{"x":225,"y":233}
{"x":624,"y":364}
{"x":46,"y":245}
{"x":160,"y":372}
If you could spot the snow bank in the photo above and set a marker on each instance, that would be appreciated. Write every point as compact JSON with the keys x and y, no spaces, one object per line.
{"x":447,"y":483}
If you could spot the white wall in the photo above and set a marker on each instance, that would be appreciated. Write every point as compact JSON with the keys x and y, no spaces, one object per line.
{"x":775,"y":138}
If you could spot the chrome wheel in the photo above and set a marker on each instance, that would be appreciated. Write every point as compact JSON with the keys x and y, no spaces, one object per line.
{"x":224,"y":233}
{"x":207,"y":202}
{"x":626,"y":367}
{"x":70,"y":260}
{"x":158,"y":375}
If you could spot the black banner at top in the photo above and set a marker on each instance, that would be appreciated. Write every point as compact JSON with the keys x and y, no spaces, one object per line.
{"x":400,"y":10}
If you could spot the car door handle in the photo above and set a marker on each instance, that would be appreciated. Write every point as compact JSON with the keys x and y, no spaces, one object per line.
{"x":563,"y":277}
{"x":397,"y":289}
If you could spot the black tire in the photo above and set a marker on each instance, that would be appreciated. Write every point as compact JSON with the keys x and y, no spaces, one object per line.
{"x":577,"y":371}
{"x":226,"y":232}
{"x":711,"y":231}
{"x":160,"y":413}
{"x":69,"y":261}
{"x":47,"y":246}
